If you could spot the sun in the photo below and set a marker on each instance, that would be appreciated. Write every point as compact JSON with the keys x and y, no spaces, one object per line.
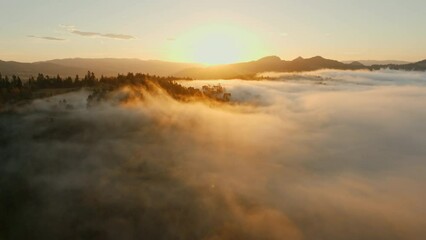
{"x":217,"y":48}
{"x":217,"y":44}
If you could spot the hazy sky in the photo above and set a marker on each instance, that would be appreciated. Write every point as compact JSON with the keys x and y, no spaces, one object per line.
{"x":197,"y":30}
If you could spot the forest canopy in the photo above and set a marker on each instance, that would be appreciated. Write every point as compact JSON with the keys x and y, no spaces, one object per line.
{"x":13,"y":90}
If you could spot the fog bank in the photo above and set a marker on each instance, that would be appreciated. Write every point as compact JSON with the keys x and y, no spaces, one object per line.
{"x":322,"y":155}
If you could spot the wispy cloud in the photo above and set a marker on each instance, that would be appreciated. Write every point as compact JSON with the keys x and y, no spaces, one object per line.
{"x":47,"y":38}
{"x":74,"y":30}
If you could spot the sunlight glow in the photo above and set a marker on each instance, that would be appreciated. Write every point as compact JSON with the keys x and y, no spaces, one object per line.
{"x":217,"y":44}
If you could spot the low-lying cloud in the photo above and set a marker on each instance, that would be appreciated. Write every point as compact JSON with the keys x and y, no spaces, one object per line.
{"x":107,"y":35}
{"x":47,"y":38}
{"x":325,"y":155}
{"x":74,"y":30}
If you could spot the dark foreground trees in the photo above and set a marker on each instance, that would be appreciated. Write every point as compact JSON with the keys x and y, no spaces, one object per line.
{"x":140,"y":84}
{"x":14,"y":89}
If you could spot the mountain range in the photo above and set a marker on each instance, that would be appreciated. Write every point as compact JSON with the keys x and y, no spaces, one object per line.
{"x":100,"y":66}
{"x":377,"y":62}
{"x":267,"y":64}
{"x":112,"y":66}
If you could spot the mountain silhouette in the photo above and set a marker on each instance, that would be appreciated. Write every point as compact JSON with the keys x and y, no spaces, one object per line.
{"x":357,"y":63}
{"x":103,"y":66}
{"x":266,"y":64}
{"x":114,"y":66}
{"x":377,"y":62}
{"x":32,"y":69}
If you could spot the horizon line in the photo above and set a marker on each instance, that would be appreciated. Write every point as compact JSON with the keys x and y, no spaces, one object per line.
{"x":205,"y":64}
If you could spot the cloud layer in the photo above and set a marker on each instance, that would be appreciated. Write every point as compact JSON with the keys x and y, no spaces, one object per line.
{"x":325,"y":155}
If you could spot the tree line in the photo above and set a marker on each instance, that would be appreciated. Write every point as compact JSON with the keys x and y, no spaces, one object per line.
{"x":13,"y":89}
{"x":89,"y":80}
{"x":139,"y":83}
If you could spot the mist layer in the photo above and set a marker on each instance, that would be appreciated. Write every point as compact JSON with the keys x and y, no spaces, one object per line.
{"x":323,"y":155}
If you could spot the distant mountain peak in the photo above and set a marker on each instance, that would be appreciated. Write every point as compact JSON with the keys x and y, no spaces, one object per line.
{"x":299,"y":59}
{"x":270,"y":59}
{"x":317,"y":58}
{"x":377,"y":62}
{"x":357,"y":64}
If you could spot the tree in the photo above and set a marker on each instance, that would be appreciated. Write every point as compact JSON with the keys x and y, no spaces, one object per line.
{"x":18,"y":82}
{"x":40,"y":81}
{"x":6,"y":82}
{"x":77,"y":81}
{"x":58,"y":81}
{"x":89,"y":79}
{"x":2,"y":84}
{"x":67,"y":82}
{"x":31,"y":82}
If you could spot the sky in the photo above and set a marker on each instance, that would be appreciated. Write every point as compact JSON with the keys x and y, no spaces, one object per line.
{"x":212,"y":32}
